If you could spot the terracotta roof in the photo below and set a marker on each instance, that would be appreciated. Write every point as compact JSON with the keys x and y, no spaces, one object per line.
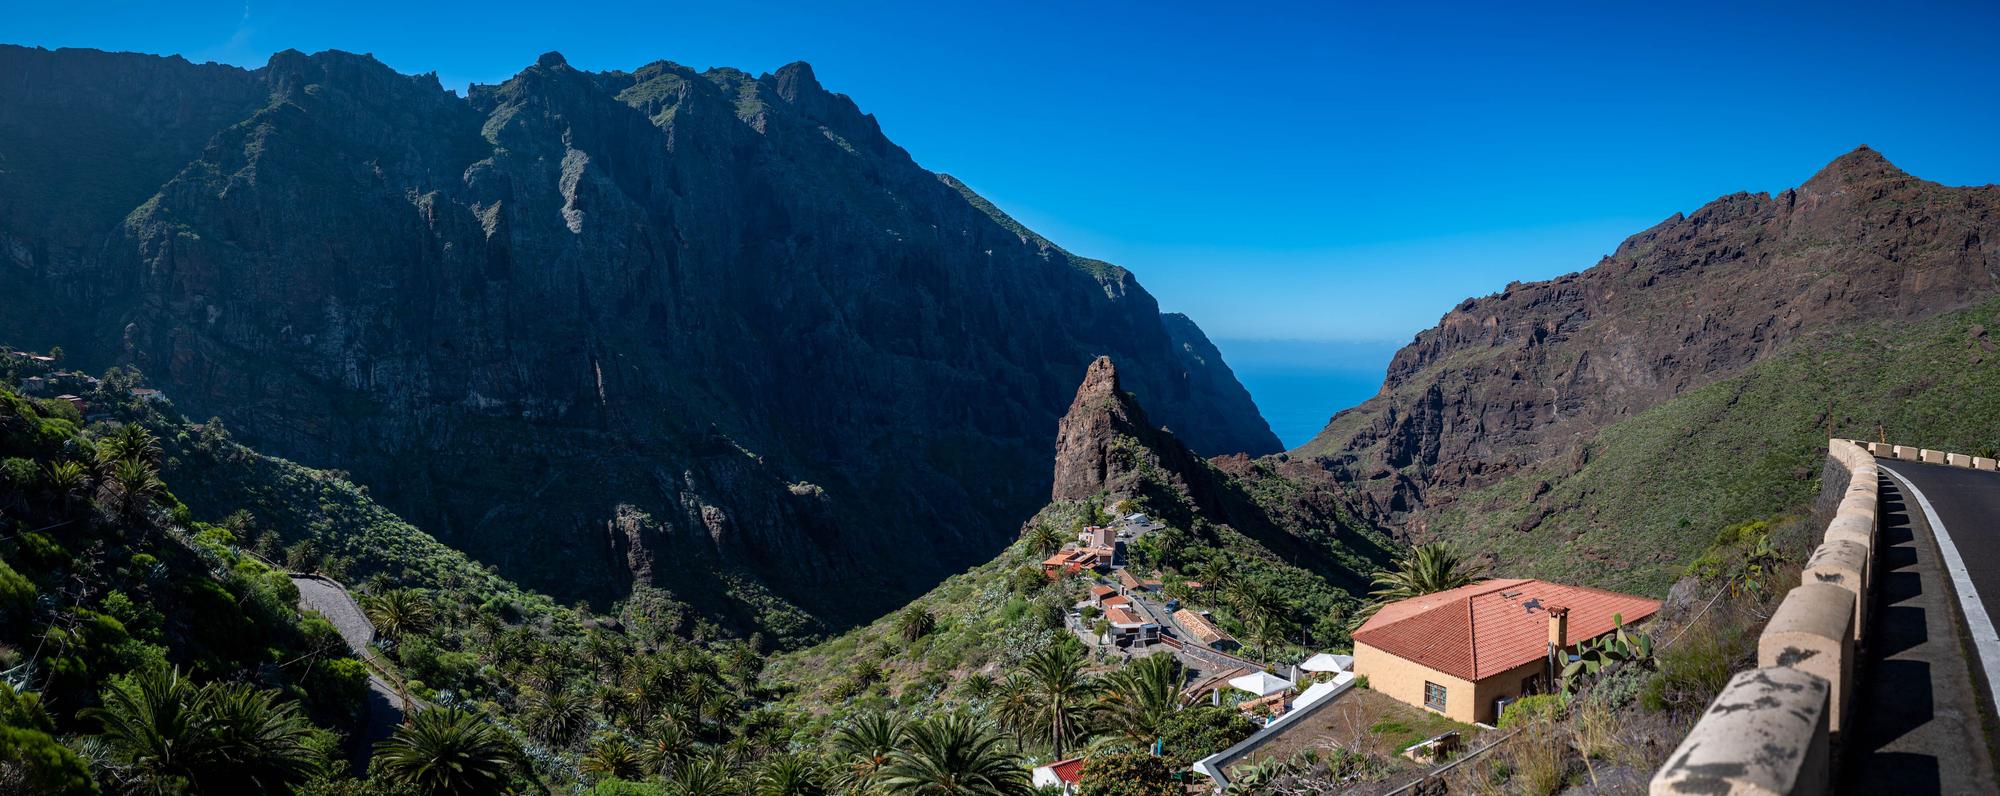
{"x":1101,"y":591}
{"x":1127,"y":579}
{"x":1070,"y":771}
{"x":1476,"y":631}
{"x":1204,"y":631}
{"x":1121,"y":616}
{"x":1056,"y":560}
{"x":1110,"y":602}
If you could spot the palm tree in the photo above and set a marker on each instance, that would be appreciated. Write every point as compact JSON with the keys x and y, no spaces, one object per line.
{"x":667,"y":744}
{"x":1042,"y":539}
{"x":614,"y":757}
{"x":1140,"y":698}
{"x":138,"y":484}
{"x":954,"y":755}
{"x":1263,"y":609}
{"x":67,"y":480}
{"x":863,"y":746}
{"x":168,"y":736}
{"x":131,"y":441}
{"x":447,"y":751}
{"x":260,"y":744}
{"x":1426,"y":569}
{"x":1061,"y":694}
{"x":915,"y":622}
{"x":708,"y":776}
{"x":399,"y":612}
{"x":788,"y":775}
{"x":153,"y":729}
{"x":555,"y":717}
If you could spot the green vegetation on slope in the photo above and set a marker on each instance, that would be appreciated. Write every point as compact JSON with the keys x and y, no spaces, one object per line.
{"x":1652,"y":490}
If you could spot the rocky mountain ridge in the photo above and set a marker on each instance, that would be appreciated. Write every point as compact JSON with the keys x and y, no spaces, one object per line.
{"x":601,"y":330}
{"x":1526,"y":378}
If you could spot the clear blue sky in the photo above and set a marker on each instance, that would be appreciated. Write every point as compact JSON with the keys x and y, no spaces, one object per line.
{"x":1309,"y":172}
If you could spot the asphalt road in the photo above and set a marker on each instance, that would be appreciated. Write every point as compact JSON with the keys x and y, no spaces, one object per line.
{"x":328,"y":599}
{"x":1967,"y":502}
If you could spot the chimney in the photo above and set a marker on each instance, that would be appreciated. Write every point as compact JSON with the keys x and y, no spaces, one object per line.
{"x":1558,"y":628}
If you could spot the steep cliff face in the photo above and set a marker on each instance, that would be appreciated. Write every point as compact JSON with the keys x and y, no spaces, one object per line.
{"x":1530,"y":375}
{"x":597,"y":329}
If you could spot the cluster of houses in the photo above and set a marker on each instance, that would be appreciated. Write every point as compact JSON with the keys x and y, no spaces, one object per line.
{"x":68,"y":386}
{"x":1464,"y":653}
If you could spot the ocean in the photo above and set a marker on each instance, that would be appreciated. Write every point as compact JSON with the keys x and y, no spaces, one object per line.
{"x":1299,"y":384}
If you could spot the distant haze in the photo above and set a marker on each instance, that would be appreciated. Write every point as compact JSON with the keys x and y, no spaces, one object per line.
{"x":1298,"y":384}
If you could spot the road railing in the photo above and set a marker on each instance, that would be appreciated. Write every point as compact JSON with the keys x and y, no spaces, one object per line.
{"x":1773,"y":729}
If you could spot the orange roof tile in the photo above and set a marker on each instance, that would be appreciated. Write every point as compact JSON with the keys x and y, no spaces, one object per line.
{"x":1101,"y":591}
{"x":1204,"y":631}
{"x":1110,"y":602}
{"x":1120,"y":616}
{"x":1476,"y":631}
{"x":1070,"y":771}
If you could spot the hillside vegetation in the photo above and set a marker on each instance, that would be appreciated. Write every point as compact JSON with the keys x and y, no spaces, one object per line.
{"x":1646,"y":494}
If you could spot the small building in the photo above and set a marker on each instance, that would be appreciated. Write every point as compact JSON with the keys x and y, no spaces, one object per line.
{"x":1099,"y":592}
{"x":1127,"y":580}
{"x":1464,"y":652}
{"x":1096,"y":536}
{"x":34,"y":385}
{"x":1127,"y":626}
{"x":1114,"y":601}
{"x":1204,"y":631}
{"x":1064,"y":774}
{"x":1070,"y":561}
{"x":72,"y":400}
{"x":148,"y":394}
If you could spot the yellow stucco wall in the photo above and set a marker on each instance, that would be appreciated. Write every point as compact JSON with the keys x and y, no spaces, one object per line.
{"x":1464,"y":701}
{"x":1404,"y":680}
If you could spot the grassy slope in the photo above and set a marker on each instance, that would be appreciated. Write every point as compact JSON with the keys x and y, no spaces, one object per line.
{"x":1657,"y":487}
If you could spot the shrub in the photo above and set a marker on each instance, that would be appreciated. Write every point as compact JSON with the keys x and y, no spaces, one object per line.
{"x":1694,"y":669}
{"x":1537,"y":708}
{"x":1200,"y":731}
{"x":1126,"y":774}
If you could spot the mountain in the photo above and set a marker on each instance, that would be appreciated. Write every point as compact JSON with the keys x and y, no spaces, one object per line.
{"x":1604,"y":423}
{"x":609,"y":332}
{"x":1285,"y":561}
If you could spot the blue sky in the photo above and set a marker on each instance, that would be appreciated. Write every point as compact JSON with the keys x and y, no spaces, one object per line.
{"x":1311,"y":171}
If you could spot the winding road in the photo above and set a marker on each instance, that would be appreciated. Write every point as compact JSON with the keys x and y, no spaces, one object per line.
{"x":331,"y":600}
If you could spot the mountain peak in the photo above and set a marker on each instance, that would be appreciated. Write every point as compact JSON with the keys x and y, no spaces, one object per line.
{"x":551,"y":60}
{"x":1863,"y":163}
{"x":796,"y":79}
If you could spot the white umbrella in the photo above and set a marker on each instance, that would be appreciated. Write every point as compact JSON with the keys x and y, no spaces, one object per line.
{"x":1325,"y":662}
{"x":1261,"y":683}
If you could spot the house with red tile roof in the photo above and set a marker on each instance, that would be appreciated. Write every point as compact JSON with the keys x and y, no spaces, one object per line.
{"x":1063,"y":774}
{"x":1464,"y":652}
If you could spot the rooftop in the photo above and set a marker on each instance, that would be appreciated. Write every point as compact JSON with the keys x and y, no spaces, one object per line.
{"x":1476,"y":631}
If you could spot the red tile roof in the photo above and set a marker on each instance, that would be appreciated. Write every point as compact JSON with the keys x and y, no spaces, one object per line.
{"x":1120,"y":616}
{"x":1477,"y":631}
{"x":1110,"y":602}
{"x":1070,"y":771}
{"x":1102,"y":591}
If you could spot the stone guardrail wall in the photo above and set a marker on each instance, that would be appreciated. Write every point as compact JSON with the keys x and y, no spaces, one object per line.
{"x":1772,"y":729}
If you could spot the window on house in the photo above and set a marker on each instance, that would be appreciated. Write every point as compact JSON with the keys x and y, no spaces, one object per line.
{"x":1433,"y":696}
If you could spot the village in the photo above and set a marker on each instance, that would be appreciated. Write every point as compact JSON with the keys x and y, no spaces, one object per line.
{"x":1452,"y":661}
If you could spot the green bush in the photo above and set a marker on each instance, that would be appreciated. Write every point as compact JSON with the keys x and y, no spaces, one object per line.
{"x":1126,"y":774}
{"x":1696,"y":667}
{"x":1540,"y":707}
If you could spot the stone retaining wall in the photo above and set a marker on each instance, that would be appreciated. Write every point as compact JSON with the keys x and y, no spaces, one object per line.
{"x":1771,"y":730}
